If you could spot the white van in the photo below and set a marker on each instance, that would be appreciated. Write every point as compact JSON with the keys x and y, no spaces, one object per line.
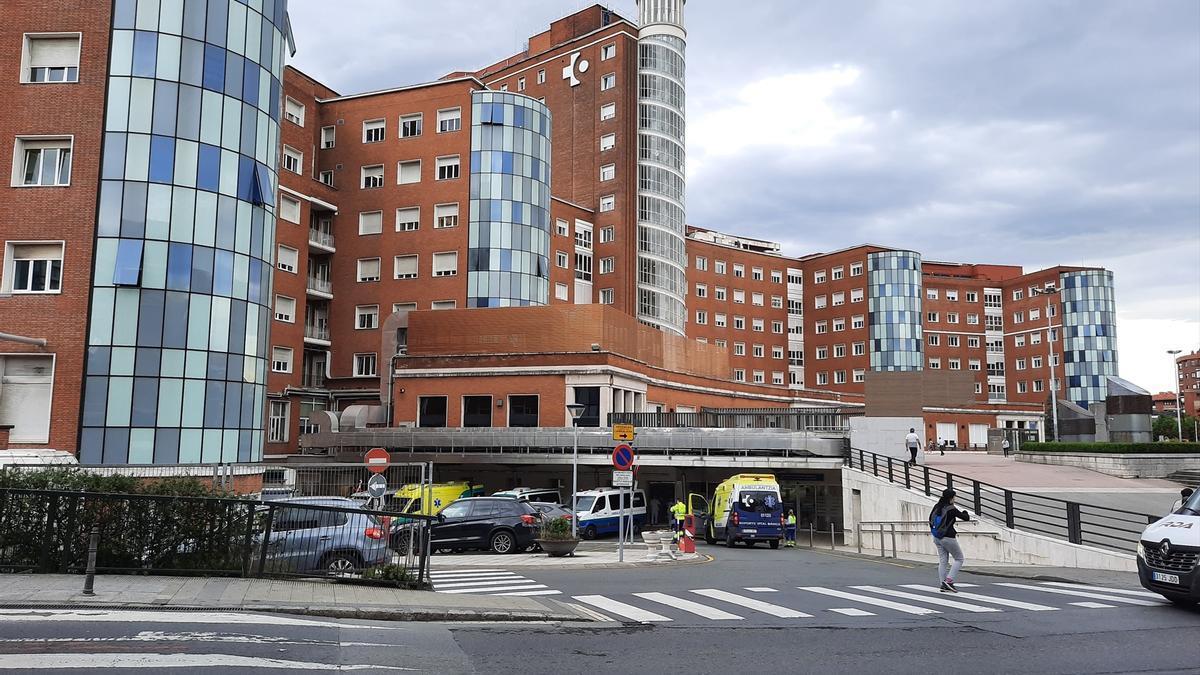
{"x":524,"y":494}
{"x":1168,"y":555}
{"x":598,"y":510}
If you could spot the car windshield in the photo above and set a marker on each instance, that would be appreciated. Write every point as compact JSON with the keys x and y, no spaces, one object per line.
{"x":760,"y":501}
{"x":584,"y":504}
{"x":1192,"y":505}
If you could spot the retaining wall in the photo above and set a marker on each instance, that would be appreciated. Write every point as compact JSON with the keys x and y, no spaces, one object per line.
{"x":1120,"y":465}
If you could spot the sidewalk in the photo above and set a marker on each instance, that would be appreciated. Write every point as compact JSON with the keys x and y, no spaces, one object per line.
{"x":317,"y":598}
{"x":1032,"y":572}
{"x":589,"y":555}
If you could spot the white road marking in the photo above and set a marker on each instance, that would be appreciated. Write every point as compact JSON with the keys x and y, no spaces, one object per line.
{"x":452,"y":575}
{"x":596,"y":616}
{"x":933,"y":600}
{"x":491,"y":582}
{"x":850,"y":611}
{"x":1093,"y":605}
{"x":761,"y":589}
{"x":546,"y":592}
{"x":1121,"y":591}
{"x":868,"y":600}
{"x":1084,"y":594}
{"x":966,"y":585}
{"x":434,"y":573}
{"x":620,"y":608}
{"x":26,"y":662}
{"x":492,"y":589}
{"x":1033,"y":607}
{"x":147,"y":617}
{"x":751,"y":603}
{"x":160,"y":636}
{"x":689,"y":606}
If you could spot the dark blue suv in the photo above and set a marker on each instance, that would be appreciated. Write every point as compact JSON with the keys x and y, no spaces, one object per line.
{"x":337,"y":542}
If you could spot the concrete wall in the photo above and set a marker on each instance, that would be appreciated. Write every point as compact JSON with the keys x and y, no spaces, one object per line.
{"x":1123,"y":466}
{"x":868,"y":500}
{"x":885,"y":435}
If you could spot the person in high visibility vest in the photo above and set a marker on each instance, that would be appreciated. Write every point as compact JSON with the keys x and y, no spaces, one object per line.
{"x":790,"y":530}
{"x":678,"y":511}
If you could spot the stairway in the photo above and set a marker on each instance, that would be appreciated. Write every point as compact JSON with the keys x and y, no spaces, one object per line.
{"x":1189,"y":477}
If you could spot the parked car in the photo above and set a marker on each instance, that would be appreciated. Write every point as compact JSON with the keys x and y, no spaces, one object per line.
{"x":501,"y":524}
{"x":524,"y":494}
{"x":314,"y":540}
{"x":599,"y":510}
{"x":550,"y":511}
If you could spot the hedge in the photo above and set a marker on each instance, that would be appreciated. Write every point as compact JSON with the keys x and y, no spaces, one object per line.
{"x":1114,"y":448}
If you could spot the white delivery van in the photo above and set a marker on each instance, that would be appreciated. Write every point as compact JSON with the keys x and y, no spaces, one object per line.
{"x":598,"y":510}
{"x":1169,"y":552}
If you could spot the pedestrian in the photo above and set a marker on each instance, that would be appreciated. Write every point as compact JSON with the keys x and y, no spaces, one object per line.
{"x":678,"y":511}
{"x":1005,"y":446}
{"x":913,"y":441}
{"x":790,"y":531}
{"x":1184,"y":494}
{"x":945,"y":538}
{"x":930,"y":447}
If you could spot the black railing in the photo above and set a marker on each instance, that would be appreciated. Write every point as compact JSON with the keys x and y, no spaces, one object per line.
{"x":791,"y":419}
{"x":1074,"y":522}
{"x":47,"y":531}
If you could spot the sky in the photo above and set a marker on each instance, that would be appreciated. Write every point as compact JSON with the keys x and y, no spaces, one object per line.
{"x":1028,"y":132}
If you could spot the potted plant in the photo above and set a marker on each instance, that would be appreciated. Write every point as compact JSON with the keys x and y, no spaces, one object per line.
{"x":555,"y":537}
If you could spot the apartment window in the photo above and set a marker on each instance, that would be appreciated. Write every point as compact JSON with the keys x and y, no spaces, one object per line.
{"x":860,"y":375}
{"x":583,"y":266}
{"x":776,"y":277}
{"x":445,"y":216}
{"x":719,"y":320}
{"x":739,"y":271}
{"x":541,"y":76}
{"x":795,"y":307}
{"x":1018,"y":294}
{"x":995,"y":368}
{"x":819,"y":277}
{"x":42,"y":162}
{"x":606,"y":296}
{"x":328,"y":137}
{"x":822,"y":327}
{"x":289,"y":209}
{"x":820,"y":301}
{"x":277,"y":429}
{"x":974,"y":364}
{"x":128,"y":270}
{"x":756,"y":273}
{"x":952,"y":341}
{"x":739,"y":323}
{"x":954,"y":364}
{"x":935,"y":364}
{"x":583,"y":236}
{"x":562,"y":228}
{"x":520,"y":84}
{"x":777,"y":378}
{"x":370,"y":222}
{"x":293,"y":111}
{"x":1035,"y":362}
{"x":409,"y":172}
{"x":608,"y":172}
{"x":839,"y":325}
{"x":701,"y":317}
{"x":1052,"y":335}
{"x":757,"y":325}
{"x":51,"y":58}
{"x":995,"y":346}
{"x":285,"y":309}
{"x":364,"y":365}
{"x":293,"y":159}
{"x":1018,"y":317}
{"x":326,"y":177}
{"x":447,"y":168}
{"x":410,"y":125}
{"x":372,"y":176}
{"x":756,"y":299}
{"x":701,"y":291}
{"x":1035,"y":338}
{"x":822,"y":353}
{"x":931,"y":317}
{"x":739,"y":349}
{"x":857,"y":322}
{"x":858,"y":348}
{"x":952,"y":296}
{"x":287,"y":258}
{"x":933,"y":340}
{"x":443,"y":304}
{"x":281,"y":359}
{"x":837,"y":273}
{"x":739,"y":297}
{"x":445,"y":264}
{"x":759,"y":377}
{"x":449,"y":119}
{"x":720,"y":292}
{"x":608,"y":203}
{"x":366,"y":317}
{"x":561,"y":292}
{"x":608,"y":111}
{"x":407,"y":219}
{"x":608,"y":81}
{"x":931,"y":294}
{"x":368,"y":269}
{"x":978,"y":388}
{"x":719,"y":267}
{"x":776,"y":302}
{"x":839,"y":299}
{"x":561,"y":259}
{"x":608,"y":142}
{"x":1039,"y":385}
{"x":777,"y":352}
{"x":607,"y":234}
{"x":720,"y":343}
{"x":971,"y":296}
{"x":856,"y":269}
{"x":951,"y":317}
{"x":701,"y":263}
{"x":972,"y":319}
{"x":504,"y":87}
{"x":608,"y":51}
{"x":822,"y":379}
{"x":739,"y":375}
{"x":839,"y":377}
{"x":374,"y":131}
{"x":992,"y":300}
{"x":1021,"y":364}
{"x":1019,"y":341}
{"x":33,"y":268}
{"x":607,"y":265}
{"x":839,"y":351}
{"x":856,"y":295}
{"x":1022,"y":387}
{"x":777,"y":327}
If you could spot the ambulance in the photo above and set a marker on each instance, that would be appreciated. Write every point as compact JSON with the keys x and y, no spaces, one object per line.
{"x":747,"y":507}
{"x":429,"y":500}
{"x":1168,"y":554}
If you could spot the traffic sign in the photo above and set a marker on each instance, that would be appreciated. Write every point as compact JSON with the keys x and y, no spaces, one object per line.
{"x":622,"y":457}
{"x":622,"y":479}
{"x":623,"y":432}
{"x":377,"y":486}
{"x":377,"y":460}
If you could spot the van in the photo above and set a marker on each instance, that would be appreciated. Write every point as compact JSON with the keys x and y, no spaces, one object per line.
{"x":598,"y":510}
{"x":429,"y":500}
{"x":524,"y":494}
{"x":747,"y":507}
{"x":1168,"y":554}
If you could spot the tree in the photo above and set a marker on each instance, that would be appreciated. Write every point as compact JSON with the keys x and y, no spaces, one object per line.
{"x":1166,"y":426}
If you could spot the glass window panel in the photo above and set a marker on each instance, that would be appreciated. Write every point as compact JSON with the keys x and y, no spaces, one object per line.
{"x":206,"y":218}
{"x":158,"y":211}
{"x":108,"y":222}
{"x":97,"y":360}
{"x":137,"y":157}
{"x":147,"y":15}
{"x":193,"y":19}
{"x":95,"y":395}
{"x":175,"y":329}
{"x":117,"y":116}
{"x":202,"y":269}
{"x":121,"y":53}
{"x":218,"y":338}
{"x":196,"y":366}
{"x":128,"y":271}
{"x":229,"y":172}
{"x":171,"y":363}
{"x":165,"y":105}
{"x":193,"y":406}
{"x":154,"y":265}
{"x":170,"y":17}
{"x":166,"y":443}
{"x":162,"y":159}
{"x":124,"y":13}
{"x":179,"y":267}
{"x":198,"y":328}
{"x":121,"y":360}
{"x":103,"y":300}
{"x":145,"y":53}
{"x":120,"y":397}
{"x":210,"y":120}
{"x":169,"y":48}
{"x":150,"y":319}
{"x":116,"y":444}
{"x":126,"y":312}
{"x":170,"y":400}
{"x":191,"y":62}
{"x":235,"y":40}
{"x":144,"y":411}
{"x":183,"y":206}
{"x":133,"y":210}
{"x":218,"y":17}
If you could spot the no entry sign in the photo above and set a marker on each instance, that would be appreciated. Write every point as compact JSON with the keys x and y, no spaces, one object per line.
{"x":377,"y":460}
{"x":622,"y":457}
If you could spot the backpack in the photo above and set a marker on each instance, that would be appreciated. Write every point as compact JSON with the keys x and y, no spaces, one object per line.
{"x":940,"y":522}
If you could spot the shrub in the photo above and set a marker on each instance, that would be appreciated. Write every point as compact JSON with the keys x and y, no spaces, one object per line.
{"x":1114,"y":448}
{"x":393,"y":575}
{"x":556,"y":529}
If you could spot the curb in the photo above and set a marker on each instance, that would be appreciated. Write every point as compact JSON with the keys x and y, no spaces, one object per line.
{"x":701,"y":559}
{"x":381,"y":614}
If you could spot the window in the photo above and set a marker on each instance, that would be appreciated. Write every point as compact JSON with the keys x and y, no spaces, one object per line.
{"x":449,"y":119}
{"x":128,"y":270}
{"x":839,"y":351}
{"x":607,"y":265}
{"x":839,"y":325}
{"x":608,"y":81}
{"x":447,"y":168}
{"x":561,"y":259}
{"x":933,"y":340}
{"x":974,"y":364}
{"x":608,"y":203}
{"x":931,"y":317}
{"x":739,"y":271}
{"x":973,"y":319}
{"x":409,"y":172}
{"x":364,"y":365}
{"x":856,"y":269}
{"x":443,"y":304}
{"x":931,"y":294}
{"x":952,"y":341}
{"x":293,"y":111}
{"x":541,"y":76}
{"x":372,"y":176}
{"x":719,"y":267}
{"x":777,"y":378}
{"x":776,"y":302}
{"x":856,"y":295}
{"x":608,"y":51}
{"x":406,"y":266}
{"x":523,"y":411}
{"x":289,"y":209}
{"x":777,"y":327}
{"x":995,"y":346}
{"x":759,"y":377}
{"x":952,"y":296}
{"x":410,"y":125}
{"x":281,"y":359}
{"x":858,"y":349}
{"x":374,"y":131}
{"x":287,"y":258}
{"x":701,"y":263}
{"x":822,"y":327}
{"x":701,"y":317}
{"x":445,"y":264}
{"x":720,"y":293}
{"x":951,"y":317}
{"x":326,"y":177}
{"x":520,"y":84}
{"x":368,"y":269}
{"x":756,"y":299}
{"x":285,"y":309}
{"x":1018,"y":317}
{"x":860,"y":375}
{"x":606,"y":296}
{"x":719,"y":320}
{"x":756,"y":273}
{"x":1021,"y":364}
{"x":370,"y":222}
{"x":1039,"y":385}
{"x":1018,"y":294}
{"x":608,"y":172}
{"x":562,"y":227}
{"x":608,"y":234}
{"x":33,"y":268}
{"x":839,"y":299}
{"x":739,"y":349}
{"x":820,"y":301}
{"x":955,"y":364}
{"x":1022,"y":387}
{"x":477,"y":411}
{"x":972,"y":296}
{"x":1035,"y":362}
{"x":504,"y":87}
{"x":445,"y":216}
{"x":822,"y":379}
{"x":408,"y":219}
{"x":739,"y":323}
{"x":42,"y":161}
{"x":935,"y":364}
{"x":819,"y":277}
{"x":583,"y":266}
{"x":777,"y":352}
{"x":51,"y":58}
{"x":857,"y":321}
{"x":608,"y":142}
{"x":839,"y":377}
{"x":739,"y":375}
{"x":561,"y":292}
{"x":795,"y":307}
{"x":837,"y":273}
{"x":328,"y":137}
{"x":278,"y":427}
{"x":1035,"y":338}
{"x":739,"y":296}
{"x":608,"y":111}
{"x":366,"y":317}
{"x":583,"y":235}
{"x":757,"y":325}
{"x":992,"y":300}
{"x":1019,"y":341}
{"x":776,"y":277}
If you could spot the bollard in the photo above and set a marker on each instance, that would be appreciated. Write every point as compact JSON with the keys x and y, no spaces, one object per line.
{"x":810,"y":535}
{"x":893,"y":541}
{"x":89,"y":582}
{"x":832,"y":539}
{"x":882,"y":543}
{"x":858,"y":536}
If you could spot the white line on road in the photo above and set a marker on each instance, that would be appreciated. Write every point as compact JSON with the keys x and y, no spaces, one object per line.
{"x":933,"y":600}
{"x":449,"y":573}
{"x":546,"y":592}
{"x":751,"y":603}
{"x":203,"y":636}
{"x":868,"y":600}
{"x":761,"y":589}
{"x":1033,"y":607}
{"x":1093,"y":605}
{"x":1121,"y":591}
{"x":146,"y":617}
{"x":620,"y":608}
{"x":491,"y":582}
{"x":25,"y":662}
{"x":689,"y":606}
{"x":468,"y":577}
{"x":493,"y":589}
{"x":1083,"y":594}
{"x":850,"y":611}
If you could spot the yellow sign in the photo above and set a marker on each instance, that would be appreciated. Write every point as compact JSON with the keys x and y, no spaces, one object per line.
{"x":623,"y":432}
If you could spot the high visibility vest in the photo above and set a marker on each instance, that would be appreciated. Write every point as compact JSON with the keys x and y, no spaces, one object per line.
{"x":679,"y":510}
{"x":791,"y":520}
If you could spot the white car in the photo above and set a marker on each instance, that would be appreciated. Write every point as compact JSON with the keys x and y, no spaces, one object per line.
{"x":1168,"y":555}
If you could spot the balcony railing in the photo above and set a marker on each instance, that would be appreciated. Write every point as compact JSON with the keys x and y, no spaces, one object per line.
{"x":316,"y":332}
{"x":314,"y":379}
{"x":320,"y":285}
{"x":793,"y":419}
{"x":320,"y":237}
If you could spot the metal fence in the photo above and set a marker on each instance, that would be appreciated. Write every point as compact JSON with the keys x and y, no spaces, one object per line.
{"x":1100,"y":526}
{"x":792,"y":419}
{"x":48,"y":531}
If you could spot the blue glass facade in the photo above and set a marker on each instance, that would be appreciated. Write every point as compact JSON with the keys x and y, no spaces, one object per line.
{"x":894,"y":317}
{"x":508,"y":250}
{"x":1089,"y":334}
{"x":177,"y":363}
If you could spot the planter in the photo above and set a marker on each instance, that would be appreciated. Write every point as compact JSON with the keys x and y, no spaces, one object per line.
{"x":558,"y":548}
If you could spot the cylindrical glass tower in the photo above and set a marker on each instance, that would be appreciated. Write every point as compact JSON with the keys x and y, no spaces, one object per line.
{"x":894,"y":317}
{"x":1089,"y":325}
{"x":662,"y":282}
{"x":508,"y":249}
{"x":177,"y":343}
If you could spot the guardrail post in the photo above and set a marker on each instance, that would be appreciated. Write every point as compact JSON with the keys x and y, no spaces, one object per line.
{"x":811,"y":535}
{"x":89,"y":583}
{"x":893,"y":541}
{"x":907,"y":478}
{"x":874,"y":464}
{"x":949,"y":481}
{"x":832,"y":538}
{"x":926,"y":469}
{"x":1074,"y":524}
{"x":858,"y":536}
{"x":890,"y":480}
{"x":248,"y":542}
{"x":882,"y":543}
{"x":978,"y":497}
{"x":1010,"y":517}
{"x":266,"y":541}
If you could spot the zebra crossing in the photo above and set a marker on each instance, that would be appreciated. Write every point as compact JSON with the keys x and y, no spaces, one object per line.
{"x":487,"y":582}
{"x":814,"y":602}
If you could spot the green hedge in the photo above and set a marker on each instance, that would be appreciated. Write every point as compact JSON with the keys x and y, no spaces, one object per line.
{"x":1115,"y":448}
{"x":81,"y":480}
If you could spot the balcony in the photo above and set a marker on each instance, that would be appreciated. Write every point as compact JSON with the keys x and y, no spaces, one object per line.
{"x":317,"y":333}
{"x":321,"y":288}
{"x":321,"y":239}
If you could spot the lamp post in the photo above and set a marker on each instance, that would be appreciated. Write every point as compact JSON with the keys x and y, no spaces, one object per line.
{"x":1049,"y":291}
{"x":576,"y":411}
{"x":1178,"y":393}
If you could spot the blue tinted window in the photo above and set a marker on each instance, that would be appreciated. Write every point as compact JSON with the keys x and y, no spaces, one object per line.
{"x":208,"y":169}
{"x":250,"y":83}
{"x":124,"y":14}
{"x":133,"y":210}
{"x":223,"y":273}
{"x":202,"y":262}
{"x":175,"y":328}
{"x":265,"y":194}
{"x":162,"y":159}
{"x":214,"y":68}
{"x":150,"y":319}
{"x":129,"y":263}
{"x":145,"y":53}
{"x":247,"y":179}
{"x":234,"y":65}
{"x":179,"y":267}
{"x":218,"y":20}
{"x":145,"y":402}
{"x":255,"y":288}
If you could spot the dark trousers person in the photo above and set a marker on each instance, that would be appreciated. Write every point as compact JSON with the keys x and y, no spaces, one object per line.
{"x":912,"y":450}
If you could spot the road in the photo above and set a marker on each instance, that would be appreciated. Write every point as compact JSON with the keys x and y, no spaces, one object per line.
{"x":750,"y":609}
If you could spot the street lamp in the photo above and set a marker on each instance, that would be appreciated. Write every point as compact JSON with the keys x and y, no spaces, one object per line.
{"x":1049,"y":291}
{"x":1178,"y":393}
{"x":576,"y":411}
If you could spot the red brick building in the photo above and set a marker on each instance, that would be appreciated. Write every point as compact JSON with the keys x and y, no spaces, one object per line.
{"x":1189,"y":382}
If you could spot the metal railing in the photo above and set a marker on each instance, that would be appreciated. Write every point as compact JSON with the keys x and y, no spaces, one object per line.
{"x":316,"y":332}
{"x":792,"y":419}
{"x":320,"y":238}
{"x":320,"y":285}
{"x":1077,"y":523}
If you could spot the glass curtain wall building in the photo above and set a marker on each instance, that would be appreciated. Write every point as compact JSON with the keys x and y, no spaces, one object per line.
{"x":1089,"y":325}
{"x":508,"y":250}
{"x":662,"y":282}
{"x":894,"y":308}
{"x":176,"y":365}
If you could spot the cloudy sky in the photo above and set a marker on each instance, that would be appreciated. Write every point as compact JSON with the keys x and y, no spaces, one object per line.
{"x":1031,"y":132}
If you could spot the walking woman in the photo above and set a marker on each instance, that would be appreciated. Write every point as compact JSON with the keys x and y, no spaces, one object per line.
{"x":945,"y":538}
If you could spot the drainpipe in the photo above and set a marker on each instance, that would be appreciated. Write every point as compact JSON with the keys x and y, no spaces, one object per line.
{"x":39,"y":342}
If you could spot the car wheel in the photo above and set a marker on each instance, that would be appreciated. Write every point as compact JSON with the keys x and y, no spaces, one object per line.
{"x":342,"y":564}
{"x":504,"y":542}
{"x":401,"y":540}
{"x":750,"y":543}
{"x":728,"y":539}
{"x":1181,"y":601}
{"x":710,"y":537}
{"x":589,"y":532}
{"x":774,"y":543}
